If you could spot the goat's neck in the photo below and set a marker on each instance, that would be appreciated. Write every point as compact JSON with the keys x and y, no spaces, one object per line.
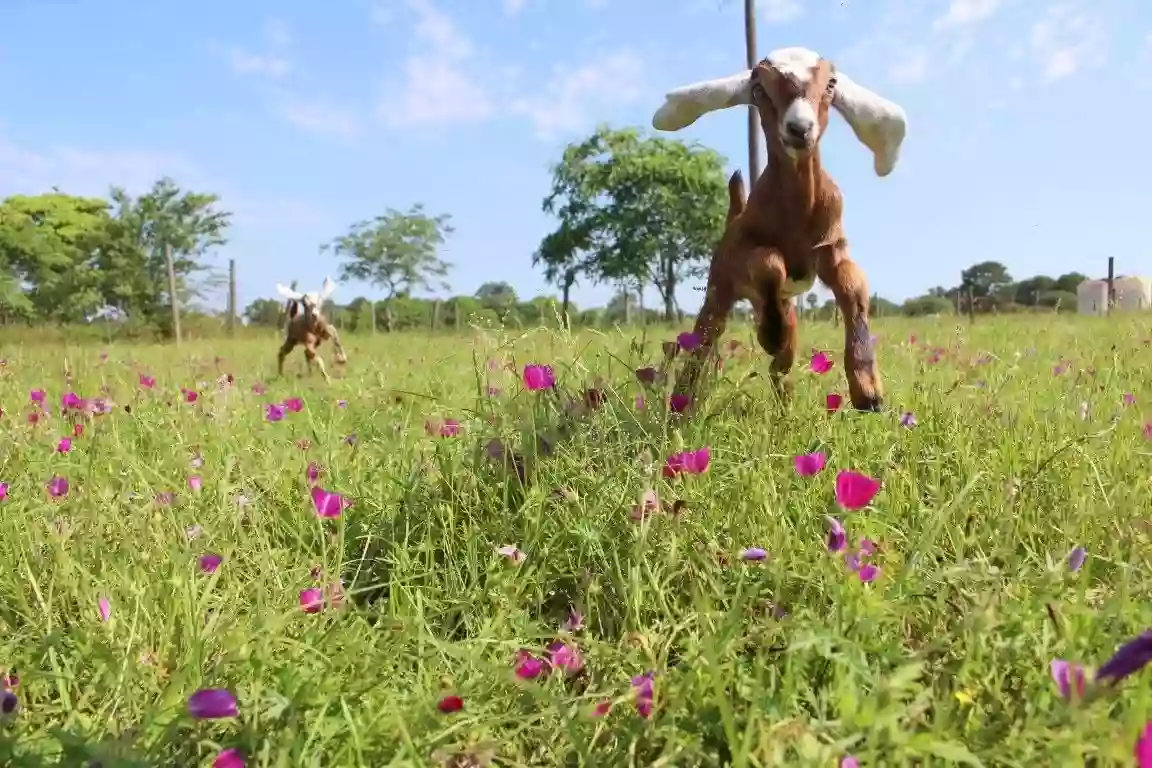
{"x":802,"y":180}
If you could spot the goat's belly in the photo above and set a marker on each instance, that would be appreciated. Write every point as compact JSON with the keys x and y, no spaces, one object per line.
{"x":793,"y":288}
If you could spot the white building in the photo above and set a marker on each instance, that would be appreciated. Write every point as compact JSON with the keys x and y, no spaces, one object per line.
{"x":1132,"y":293}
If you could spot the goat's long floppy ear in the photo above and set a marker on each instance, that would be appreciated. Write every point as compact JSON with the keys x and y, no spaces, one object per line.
{"x":327,"y":290}
{"x":686,"y":104}
{"x":293,"y":308}
{"x":879,"y":124}
{"x":287,"y":292}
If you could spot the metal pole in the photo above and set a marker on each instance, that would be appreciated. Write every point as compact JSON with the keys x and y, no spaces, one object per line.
{"x":754,"y":162}
{"x":231,"y":297}
{"x":172,"y":293}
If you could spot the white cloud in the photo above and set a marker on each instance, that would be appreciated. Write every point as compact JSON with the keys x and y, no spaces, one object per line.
{"x":964,"y":12}
{"x":88,"y":172}
{"x":911,"y":69}
{"x":323,"y":118}
{"x":277,"y":33}
{"x":780,"y":11}
{"x":574,"y":94}
{"x":440,"y":80}
{"x":1066,"y":40}
{"x":247,"y":63}
{"x":513,"y":7}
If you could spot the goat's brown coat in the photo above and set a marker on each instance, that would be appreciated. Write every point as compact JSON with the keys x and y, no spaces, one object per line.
{"x":788,"y":232}
{"x":309,"y":328}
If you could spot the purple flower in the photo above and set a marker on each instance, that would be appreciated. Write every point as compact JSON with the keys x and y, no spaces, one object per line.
{"x":212,"y":703}
{"x":1128,"y":660}
{"x":1076,"y":558}
{"x":754,"y":554}
{"x":1070,"y":678}
{"x":837,"y":539}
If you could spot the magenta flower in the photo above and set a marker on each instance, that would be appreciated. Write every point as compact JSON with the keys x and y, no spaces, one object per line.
{"x":820,"y":363}
{"x":1076,"y":558}
{"x":58,"y":487}
{"x":1129,"y":398}
{"x":808,"y":464}
{"x":312,"y":599}
{"x":644,"y":691}
{"x":565,"y":656}
{"x":1148,"y":431}
{"x":849,"y":762}
{"x":104,"y":606}
{"x":574,"y":622}
{"x":190,"y":395}
{"x":528,"y":667}
{"x":64,"y":445}
{"x":754,"y":554}
{"x":832,"y":402}
{"x":679,"y":403}
{"x":538,"y":377}
{"x":1143,"y":749}
{"x":294,"y":404}
{"x":837,"y":538}
{"x":854,"y":491}
{"x":646,"y":375}
{"x":274,"y":412}
{"x":229,"y":758}
{"x":1070,"y":678}
{"x":868,"y":572}
{"x":313,"y":472}
{"x":688,"y":341}
{"x":450,"y":704}
{"x":212,"y":703}
{"x":258,"y":388}
{"x":329,"y":504}
{"x":640,"y":403}
{"x":341,"y":403}
{"x":37,"y":396}
{"x":3,"y":491}
{"x":445,"y":428}
{"x":690,"y":462}
{"x":70,"y":401}
{"x":209,"y":562}
{"x":147,"y":382}
{"x":195,"y":483}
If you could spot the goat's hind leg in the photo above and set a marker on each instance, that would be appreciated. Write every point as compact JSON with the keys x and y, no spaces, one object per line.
{"x":850,"y":287}
{"x":776,"y":326}
{"x":312,"y":356}
{"x":285,"y":350}
{"x":340,"y":357}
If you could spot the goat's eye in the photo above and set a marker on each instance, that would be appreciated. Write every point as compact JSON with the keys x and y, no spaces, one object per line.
{"x":831,"y":85}
{"x":757,"y":91}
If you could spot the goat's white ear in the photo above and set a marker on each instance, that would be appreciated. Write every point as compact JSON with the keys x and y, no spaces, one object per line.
{"x":287,"y":292}
{"x":327,"y":289}
{"x":684,"y":106}
{"x":879,"y":124}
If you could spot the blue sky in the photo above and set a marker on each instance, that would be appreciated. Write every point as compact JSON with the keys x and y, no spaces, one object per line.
{"x":1027,"y":119}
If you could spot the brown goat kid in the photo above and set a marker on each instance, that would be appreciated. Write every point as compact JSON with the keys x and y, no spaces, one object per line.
{"x":789,"y":232}
{"x":308,"y":326}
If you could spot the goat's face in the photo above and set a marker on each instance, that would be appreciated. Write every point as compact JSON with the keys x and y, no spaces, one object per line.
{"x":792,"y":90}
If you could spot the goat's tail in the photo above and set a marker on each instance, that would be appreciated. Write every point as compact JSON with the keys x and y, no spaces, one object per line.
{"x":736,"y":201}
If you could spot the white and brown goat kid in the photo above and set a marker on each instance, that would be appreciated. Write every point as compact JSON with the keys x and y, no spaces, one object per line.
{"x":790,"y":233}
{"x":308,"y":326}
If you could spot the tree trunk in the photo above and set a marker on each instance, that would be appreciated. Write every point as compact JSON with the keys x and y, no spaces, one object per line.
{"x":564,"y":293}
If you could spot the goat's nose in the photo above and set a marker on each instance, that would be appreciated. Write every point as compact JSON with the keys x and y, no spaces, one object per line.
{"x":798,"y":129}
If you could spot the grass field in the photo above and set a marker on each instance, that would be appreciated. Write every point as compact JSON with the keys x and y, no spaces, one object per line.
{"x":1027,"y":440}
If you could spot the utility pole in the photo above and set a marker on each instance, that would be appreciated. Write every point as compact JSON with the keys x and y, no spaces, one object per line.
{"x":231,"y":297}
{"x":754,"y":163}
{"x":172,"y":292}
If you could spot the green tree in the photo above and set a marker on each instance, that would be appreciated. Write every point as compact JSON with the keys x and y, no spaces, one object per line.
{"x":52,"y":248}
{"x":564,"y":254}
{"x":135,"y":277}
{"x":1070,"y":282}
{"x":647,"y":210}
{"x":397,"y":252}
{"x":500,"y":297}
{"x":265,"y":312}
{"x":985,"y":280}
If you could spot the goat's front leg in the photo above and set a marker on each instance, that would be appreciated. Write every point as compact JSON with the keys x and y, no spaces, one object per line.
{"x":850,"y":287}
{"x":312,"y":356}
{"x":776,"y":326}
{"x":340,"y":357}
{"x":710,"y":325}
{"x":285,"y":350}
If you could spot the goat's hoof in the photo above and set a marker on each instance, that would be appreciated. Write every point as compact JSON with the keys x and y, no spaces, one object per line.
{"x":870,"y":404}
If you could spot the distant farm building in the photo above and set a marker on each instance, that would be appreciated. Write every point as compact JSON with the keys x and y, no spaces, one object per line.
{"x":1131,"y":293}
